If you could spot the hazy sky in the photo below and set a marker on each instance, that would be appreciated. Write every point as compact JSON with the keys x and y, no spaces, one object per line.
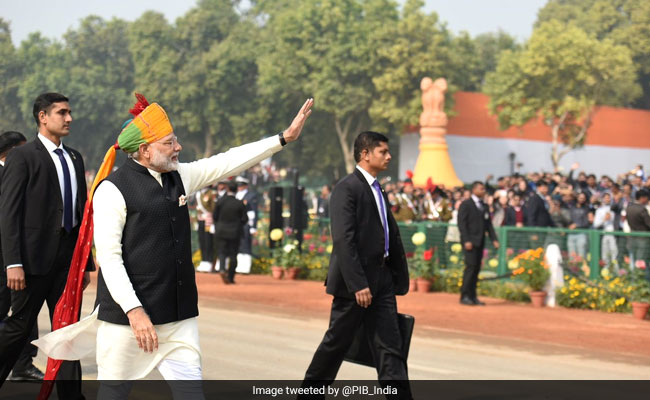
{"x":53,"y":18}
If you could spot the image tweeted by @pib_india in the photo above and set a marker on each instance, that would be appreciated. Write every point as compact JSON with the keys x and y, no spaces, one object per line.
{"x":335,"y":392}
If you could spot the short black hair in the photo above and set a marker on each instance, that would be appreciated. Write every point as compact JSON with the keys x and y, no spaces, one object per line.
{"x":232,"y":186}
{"x":542,"y":182}
{"x":9,"y":140}
{"x":367,"y":140}
{"x":642,"y":193}
{"x":477,"y":183}
{"x":44,"y":103}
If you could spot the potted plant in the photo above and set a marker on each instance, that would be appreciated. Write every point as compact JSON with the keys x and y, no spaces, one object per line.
{"x":276,"y":236}
{"x":422,"y":264}
{"x":290,"y":260}
{"x":640,"y":295}
{"x":533,"y":270}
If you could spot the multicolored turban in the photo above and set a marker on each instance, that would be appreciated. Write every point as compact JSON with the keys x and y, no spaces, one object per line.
{"x":149,"y":124}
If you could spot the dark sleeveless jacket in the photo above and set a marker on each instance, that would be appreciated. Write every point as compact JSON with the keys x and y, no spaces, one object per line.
{"x":156,"y":248}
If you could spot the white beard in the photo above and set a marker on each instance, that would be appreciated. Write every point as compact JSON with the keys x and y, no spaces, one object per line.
{"x":161,"y":162}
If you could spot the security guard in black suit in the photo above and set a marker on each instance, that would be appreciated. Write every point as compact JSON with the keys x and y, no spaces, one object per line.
{"x":367,"y":269}
{"x":230,"y":219}
{"x":473,"y":223}
{"x":41,"y":205}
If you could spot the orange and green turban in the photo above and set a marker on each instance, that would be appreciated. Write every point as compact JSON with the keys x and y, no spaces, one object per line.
{"x":149,"y":124}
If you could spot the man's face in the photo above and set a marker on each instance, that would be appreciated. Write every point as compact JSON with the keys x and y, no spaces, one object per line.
{"x":378,"y":158}
{"x":627,"y":189}
{"x":164,"y":153}
{"x":643,"y":200}
{"x":408,"y":189}
{"x":57,"y":120}
{"x":591,"y":181}
{"x":543,"y":190}
{"x":607,"y":199}
{"x":582,"y":198}
{"x":325,"y":191}
{"x":479,"y":191}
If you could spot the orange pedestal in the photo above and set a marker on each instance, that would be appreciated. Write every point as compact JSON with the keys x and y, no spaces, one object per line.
{"x":433,"y":160}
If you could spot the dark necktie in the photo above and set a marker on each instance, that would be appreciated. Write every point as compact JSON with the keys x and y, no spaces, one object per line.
{"x":67,"y":192}
{"x":382,"y":210}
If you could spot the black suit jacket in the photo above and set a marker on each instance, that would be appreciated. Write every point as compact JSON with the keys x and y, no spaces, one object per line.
{"x":638,"y":218}
{"x":31,"y":207}
{"x":474,"y":223}
{"x":536,"y":213}
{"x":510,"y":218}
{"x":358,"y":236}
{"x":229,"y":218}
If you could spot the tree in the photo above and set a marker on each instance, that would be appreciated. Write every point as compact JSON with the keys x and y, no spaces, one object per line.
{"x":43,"y":69}
{"x":325,"y":49}
{"x":9,"y":74}
{"x":418,"y":45}
{"x":561,"y":75}
{"x":100,"y":84}
{"x":625,"y":22}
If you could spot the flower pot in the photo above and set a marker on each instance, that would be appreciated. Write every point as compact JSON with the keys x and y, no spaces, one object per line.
{"x":276,"y":272}
{"x":412,"y":285}
{"x":292,"y":272}
{"x":537,"y":298}
{"x":639,"y":310}
{"x":423,"y":285}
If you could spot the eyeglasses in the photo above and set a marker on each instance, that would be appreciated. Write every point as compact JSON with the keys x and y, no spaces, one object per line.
{"x":170,"y":143}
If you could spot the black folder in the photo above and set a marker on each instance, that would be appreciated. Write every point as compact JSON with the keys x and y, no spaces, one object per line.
{"x":359,"y":351}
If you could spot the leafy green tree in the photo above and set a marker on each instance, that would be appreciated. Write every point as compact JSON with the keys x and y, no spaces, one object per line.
{"x":416,"y":46}
{"x":325,"y":49}
{"x":43,"y":69}
{"x":561,"y":75}
{"x":100,"y":84}
{"x":625,"y":22}
{"x":10,"y":76}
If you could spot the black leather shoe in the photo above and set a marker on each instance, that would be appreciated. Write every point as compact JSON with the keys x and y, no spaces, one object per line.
{"x":224,"y":277}
{"x":30,"y":374}
{"x":478,"y":302}
{"x":467,"y":301}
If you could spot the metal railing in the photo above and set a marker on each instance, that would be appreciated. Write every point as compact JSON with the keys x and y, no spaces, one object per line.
{"x":580,"y":247}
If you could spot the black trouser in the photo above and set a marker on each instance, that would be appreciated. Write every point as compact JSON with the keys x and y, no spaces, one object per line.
{"x":205,"y":243}
{"x":228,"y":249}
{"x":380,"y":320}
{"x":246,"y":241}
{"x":470,"y":274}
{"x":26,"y":357}
{"x":25,"y":307}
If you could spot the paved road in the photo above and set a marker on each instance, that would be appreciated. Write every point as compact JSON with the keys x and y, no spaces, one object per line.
{"x":249,"y":341}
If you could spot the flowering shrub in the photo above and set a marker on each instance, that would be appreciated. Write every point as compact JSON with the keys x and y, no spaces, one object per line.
{"x":421,"y":262}
{"x":531,"y":268}
{"x":640,"y":292}
{"x":608,"y":294}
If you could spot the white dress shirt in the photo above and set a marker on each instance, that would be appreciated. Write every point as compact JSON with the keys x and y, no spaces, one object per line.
{"x":371,"y":179}
{"x":50,"y":146}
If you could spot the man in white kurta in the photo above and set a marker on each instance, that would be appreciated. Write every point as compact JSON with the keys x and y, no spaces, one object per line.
{"x":126,"y":352}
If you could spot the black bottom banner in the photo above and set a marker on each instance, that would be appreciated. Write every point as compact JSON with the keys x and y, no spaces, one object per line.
{"x":346,"y":390}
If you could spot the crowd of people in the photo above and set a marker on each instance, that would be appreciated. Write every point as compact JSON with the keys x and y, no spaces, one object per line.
{"x":576,"y":200}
